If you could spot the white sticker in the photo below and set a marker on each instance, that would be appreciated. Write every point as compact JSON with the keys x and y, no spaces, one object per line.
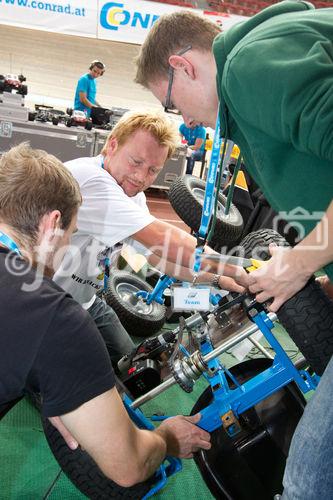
{"x":190,"y":298}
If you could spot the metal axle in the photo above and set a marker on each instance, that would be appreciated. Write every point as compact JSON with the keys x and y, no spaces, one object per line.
{"x":228,"y":344}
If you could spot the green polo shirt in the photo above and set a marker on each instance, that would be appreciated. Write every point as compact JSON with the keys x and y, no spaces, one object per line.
{"x":275,"y":85}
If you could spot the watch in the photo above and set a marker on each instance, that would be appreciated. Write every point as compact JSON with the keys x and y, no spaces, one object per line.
{"x":215,"y":280}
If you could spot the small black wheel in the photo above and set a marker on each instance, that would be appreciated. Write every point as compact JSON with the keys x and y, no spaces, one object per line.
{"x":88,"y":126}
{"x":136,"y":316}
{"x":186,"y":196}
{"x":250,"y":465}
{"x":85,"y":474}
{"x":308,"y":315}
{"x":23,"y":90}
{"x":69,"y":122}
{"x":32,"y":116}
{"x":55,"y":120}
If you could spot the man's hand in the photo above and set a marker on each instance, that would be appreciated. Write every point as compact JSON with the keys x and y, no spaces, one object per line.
{"x":230,"y":284}
{"x":280,"y":278}
{"x":183,"y":437}
{"x":70,"y":440}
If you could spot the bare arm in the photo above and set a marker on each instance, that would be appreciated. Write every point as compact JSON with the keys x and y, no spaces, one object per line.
{"x":198,"y":143}
{"x":84,"y":100}
{"x":123,"y":452}
{"x":173,"y":252}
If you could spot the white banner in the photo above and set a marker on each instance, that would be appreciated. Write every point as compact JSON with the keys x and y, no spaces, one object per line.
{"x":130,"y":21}
{"x":74,"y":17}
{"x":123,"y":21}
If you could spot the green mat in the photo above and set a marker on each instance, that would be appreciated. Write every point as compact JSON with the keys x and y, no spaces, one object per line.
{"x":29,"y":471}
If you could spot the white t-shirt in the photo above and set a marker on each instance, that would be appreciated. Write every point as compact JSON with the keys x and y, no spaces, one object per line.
{"x":106,"y":217}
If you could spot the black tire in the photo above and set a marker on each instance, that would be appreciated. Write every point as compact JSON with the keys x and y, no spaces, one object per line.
{"x":84,"y":473}
{"x":137,"y":318}
{"x":186,"y":196}
{"x":32,"y":116}
{"x":250,"y":465}
{"x":308,"y":316}
{"x":88,"y":126}
{"x":2,"y":84}
{"x":68,"y":122}
{"x":55,"y":120}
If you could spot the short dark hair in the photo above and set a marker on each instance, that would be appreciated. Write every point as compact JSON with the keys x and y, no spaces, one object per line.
{"x":33,"y":183}
{"x":98,"y":64}
{"x":171,"y":33}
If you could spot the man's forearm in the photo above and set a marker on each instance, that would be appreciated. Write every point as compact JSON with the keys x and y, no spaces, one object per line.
{"x":176,"y":247}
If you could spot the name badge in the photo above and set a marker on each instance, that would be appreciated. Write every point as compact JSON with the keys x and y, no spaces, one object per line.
{"x":190,"y":298}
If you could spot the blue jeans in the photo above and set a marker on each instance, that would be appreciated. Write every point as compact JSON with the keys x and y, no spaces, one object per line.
{"x":116,"y":338}
{"x":195,"y":156}
{"x":309,"y":469}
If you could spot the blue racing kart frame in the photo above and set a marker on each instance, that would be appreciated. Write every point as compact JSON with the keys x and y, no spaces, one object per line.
{"x":228,"y":403}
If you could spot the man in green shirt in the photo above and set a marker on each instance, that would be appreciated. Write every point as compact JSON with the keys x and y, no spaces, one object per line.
{"x":270,"y":79}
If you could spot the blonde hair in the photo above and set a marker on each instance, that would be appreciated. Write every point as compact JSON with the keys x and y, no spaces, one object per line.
{"x":169,"y":34}
{"x":160,"y":127}
{"x":32,"y":184}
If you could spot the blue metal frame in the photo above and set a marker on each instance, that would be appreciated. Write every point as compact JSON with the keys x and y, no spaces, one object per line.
{"x":246,"y":395}
{"x":170,"y":466}
{"x":157,"y":294}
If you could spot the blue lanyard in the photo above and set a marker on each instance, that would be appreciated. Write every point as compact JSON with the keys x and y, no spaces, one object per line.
{"x":9,"y":243}
{"x":102,"y":163}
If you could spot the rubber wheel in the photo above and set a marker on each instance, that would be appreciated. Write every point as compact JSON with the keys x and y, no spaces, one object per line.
{"x":23,"y":90}
{"x":84,"y":473}
{"x":138,"y":318}
{"x":186,"y":196}
{"x":68,"y":122}
{"x":250,"y":465}
{"x":88,"y":126}
{"x":55,"y":120}
{"x":308,"y":316}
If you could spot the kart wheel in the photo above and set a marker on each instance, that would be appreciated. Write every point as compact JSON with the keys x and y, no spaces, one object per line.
{"x":88,"y":126}
{"x":308,"y":315}
{"x":186,"y":196}
{"x":69,"y":122}
{"x":2,"y":84}
{"x":55,"y":120}
{"x":137,"y":317}
{"x":23,"y":90}
{"x":84,"y":473}
{"x":32,"y":116}
{"x":250,"y":465}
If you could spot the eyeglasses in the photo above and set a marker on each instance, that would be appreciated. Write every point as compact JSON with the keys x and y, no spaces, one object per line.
{"x":169,"y":107}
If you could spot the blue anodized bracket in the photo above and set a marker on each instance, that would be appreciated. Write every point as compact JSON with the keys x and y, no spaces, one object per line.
{"x":248,"y":394}
{"x":157,"y":294}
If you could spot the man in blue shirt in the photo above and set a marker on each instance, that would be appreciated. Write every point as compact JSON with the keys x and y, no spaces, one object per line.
{"x":85,"y":94}
{"x":195,"y":137}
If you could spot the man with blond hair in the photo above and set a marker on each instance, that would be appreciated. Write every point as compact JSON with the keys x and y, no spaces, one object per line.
{"x":270,"y":81}
{"x":114,"y":209}
{"x":49,"y":344}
